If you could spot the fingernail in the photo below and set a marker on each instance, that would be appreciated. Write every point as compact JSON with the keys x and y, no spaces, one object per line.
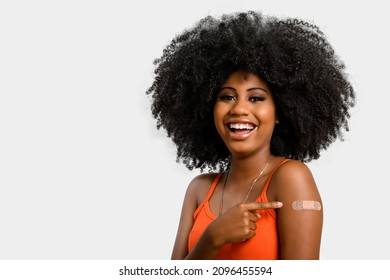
{"x":278,"y":204}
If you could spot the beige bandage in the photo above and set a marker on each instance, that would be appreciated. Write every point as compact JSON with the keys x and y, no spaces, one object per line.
{"x":306,"y":205}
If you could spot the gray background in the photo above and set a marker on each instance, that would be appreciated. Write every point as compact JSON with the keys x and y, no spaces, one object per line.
{"x":84,"y":174}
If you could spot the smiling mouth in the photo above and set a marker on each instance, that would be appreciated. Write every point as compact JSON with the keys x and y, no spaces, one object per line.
{"x":240,"y":128}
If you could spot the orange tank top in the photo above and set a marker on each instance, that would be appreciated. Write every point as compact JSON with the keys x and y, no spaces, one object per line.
{"x":263,"y":246}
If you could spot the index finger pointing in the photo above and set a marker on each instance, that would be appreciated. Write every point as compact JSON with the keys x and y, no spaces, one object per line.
{"x":263,"y":205}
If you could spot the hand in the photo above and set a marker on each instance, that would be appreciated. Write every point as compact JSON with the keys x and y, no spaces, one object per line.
{"x":239,"y":223}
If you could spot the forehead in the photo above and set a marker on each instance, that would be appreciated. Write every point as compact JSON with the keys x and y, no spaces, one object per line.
{"x":245,"y":79}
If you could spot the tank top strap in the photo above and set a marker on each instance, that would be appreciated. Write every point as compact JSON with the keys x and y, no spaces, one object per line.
{"x":209,"y":194}
{"x":264,"y":191}
{"x":213,"y":186}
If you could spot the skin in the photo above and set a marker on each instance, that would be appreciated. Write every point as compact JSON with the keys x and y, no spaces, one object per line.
{"x":246,"y":99}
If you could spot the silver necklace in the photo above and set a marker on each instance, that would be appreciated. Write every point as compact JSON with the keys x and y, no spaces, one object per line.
{"x":250,"y":188}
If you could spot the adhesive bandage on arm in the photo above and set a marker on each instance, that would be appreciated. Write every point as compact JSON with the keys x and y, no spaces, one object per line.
{"x":306,"y":205}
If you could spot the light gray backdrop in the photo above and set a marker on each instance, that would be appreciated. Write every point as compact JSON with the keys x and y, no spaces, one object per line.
{"x":84,"y":174}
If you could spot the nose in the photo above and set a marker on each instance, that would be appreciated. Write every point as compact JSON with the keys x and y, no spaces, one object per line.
{"x":240,"y":107}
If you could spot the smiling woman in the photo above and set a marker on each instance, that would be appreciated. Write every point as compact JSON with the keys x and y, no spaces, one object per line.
{"x":257,"y":97}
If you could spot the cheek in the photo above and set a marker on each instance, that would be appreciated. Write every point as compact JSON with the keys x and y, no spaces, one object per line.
{"x":267,"y":114}
{"x":218,"y":117}
{"x":218,"y":112}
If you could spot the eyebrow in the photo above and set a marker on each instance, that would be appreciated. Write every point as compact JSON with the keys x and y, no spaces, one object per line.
{"x":249,"y":89}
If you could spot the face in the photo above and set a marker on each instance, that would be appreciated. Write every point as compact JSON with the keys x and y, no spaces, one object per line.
{"x":244,"y":114}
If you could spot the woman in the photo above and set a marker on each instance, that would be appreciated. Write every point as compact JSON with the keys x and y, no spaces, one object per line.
{"x":251,"y":98}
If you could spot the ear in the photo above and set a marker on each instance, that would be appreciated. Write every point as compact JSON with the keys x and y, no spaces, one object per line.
{"x":277,"y":121}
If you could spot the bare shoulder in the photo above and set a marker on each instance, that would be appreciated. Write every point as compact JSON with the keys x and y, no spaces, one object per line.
{"x":293,"y":170}
{"x":301,"y":217}
{"x":199,"y":186}
{"x":293,"y":179}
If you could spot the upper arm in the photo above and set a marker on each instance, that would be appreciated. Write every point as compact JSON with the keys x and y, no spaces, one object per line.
{"x":195,"y":193}
{"x":299,"y":230}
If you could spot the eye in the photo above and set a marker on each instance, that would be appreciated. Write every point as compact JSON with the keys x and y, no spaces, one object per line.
{"x":226,"y":97}
{"x":256,"y":98}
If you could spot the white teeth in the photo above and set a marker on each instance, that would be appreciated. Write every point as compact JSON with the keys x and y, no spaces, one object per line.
{"x":241,"y":126}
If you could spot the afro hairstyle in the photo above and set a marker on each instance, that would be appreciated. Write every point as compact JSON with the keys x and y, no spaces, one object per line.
{"x":311,"y":90}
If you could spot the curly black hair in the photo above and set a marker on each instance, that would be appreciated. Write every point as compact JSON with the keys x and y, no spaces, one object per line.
{"x":307,"y":79}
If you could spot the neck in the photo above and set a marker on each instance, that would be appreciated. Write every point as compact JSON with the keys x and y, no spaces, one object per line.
{"x":246,"y":169}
